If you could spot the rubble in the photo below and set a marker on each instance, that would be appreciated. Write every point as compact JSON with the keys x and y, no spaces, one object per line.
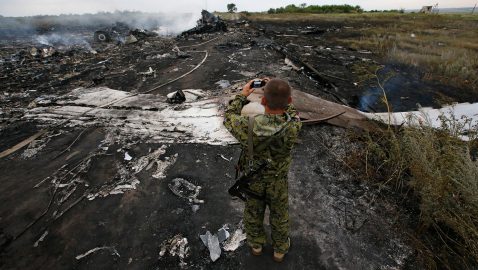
{"x":186,"y":190}
{"x":207,"y":24}
{"x":234,"y":242}
{"x":175,"y":247}
{"x":112,"y":94}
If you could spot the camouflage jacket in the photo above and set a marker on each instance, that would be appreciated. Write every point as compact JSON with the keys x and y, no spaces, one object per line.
{"x":273,"y":137}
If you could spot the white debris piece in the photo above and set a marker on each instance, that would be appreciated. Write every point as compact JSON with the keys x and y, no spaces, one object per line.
{"x":176,"y":246}
{"x":113,"y":251}
{"x":42,"y":237}
{"x":145,"y":116}
{"x":429,"y":116}
{"x":163,"y":165}
{"x":223,"y":83}
{"x":150,"y":71}
{"x":124,"y":181}
{"x":212,"y":243}
{"x":148,"y":160}
{"x":235,"y":241}
{"x":289,"y":63}
{"x":185,"y":189}
{"x":127,"y":157}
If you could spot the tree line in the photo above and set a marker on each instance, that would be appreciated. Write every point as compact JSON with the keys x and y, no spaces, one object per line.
{"x":303,"y":8}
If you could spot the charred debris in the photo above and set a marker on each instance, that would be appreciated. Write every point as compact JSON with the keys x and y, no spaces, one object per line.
{"x":94,"y":103}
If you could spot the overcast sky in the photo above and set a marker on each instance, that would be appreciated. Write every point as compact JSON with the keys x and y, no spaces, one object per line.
{"x":54,"y":7}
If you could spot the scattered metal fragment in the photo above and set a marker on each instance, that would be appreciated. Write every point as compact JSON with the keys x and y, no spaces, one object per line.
{"x":185,"y":189}
{"x":148,"y":160}
{"x":42,"y":237}
{"x":176,"y":246}
{"x":212,"y":243}
{"x":113,"y":251}
{"x":223,"y":234}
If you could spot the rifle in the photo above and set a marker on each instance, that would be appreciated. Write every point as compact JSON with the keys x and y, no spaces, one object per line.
{"x":241,"y":188}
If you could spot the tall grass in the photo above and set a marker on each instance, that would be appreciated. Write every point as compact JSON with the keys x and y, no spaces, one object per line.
{"x":438,"y":167}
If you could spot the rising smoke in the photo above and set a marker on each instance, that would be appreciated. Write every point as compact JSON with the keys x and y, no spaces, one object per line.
{"x":30,"y":27}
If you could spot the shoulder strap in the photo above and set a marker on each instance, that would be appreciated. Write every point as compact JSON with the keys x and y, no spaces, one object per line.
{"x":250,"y":143}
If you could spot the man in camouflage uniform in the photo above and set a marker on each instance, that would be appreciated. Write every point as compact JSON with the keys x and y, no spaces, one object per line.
{"x":273,"y":134}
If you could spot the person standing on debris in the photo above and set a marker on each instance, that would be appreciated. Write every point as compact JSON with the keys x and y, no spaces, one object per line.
{"x":273,"y":135}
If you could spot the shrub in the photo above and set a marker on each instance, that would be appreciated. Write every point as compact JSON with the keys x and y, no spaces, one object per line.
{"x":438,"y":167}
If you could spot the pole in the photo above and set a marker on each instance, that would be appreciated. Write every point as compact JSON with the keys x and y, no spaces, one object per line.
{"x":473,"y":11}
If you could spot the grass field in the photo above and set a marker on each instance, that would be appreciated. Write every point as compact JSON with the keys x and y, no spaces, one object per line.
{"x":444,"y":46}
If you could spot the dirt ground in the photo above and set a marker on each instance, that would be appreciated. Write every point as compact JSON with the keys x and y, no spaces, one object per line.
{"x":57,"y":205}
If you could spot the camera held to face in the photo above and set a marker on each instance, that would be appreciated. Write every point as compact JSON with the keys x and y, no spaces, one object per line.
{"x":258,"y":83}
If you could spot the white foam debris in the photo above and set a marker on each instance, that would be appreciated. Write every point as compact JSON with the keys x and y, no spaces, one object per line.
{"x":42,"y":237}
{"x":429,"y":116}
{"x":148,"y":117}
{"x":113,"y":251}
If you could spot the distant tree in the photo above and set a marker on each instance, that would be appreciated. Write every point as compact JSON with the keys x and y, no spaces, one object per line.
{"x":231,"y":8}
{"x":303,"y":5}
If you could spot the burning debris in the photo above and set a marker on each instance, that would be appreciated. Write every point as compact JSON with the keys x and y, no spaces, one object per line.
{"x":208,"y":23}
{"x":122,"y":34}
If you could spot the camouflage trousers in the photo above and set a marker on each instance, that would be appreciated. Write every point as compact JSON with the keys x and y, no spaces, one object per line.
{"x":277,"y":199}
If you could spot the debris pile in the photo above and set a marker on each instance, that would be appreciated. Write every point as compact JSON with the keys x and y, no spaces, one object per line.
{"x":208,"y":23}
{"x":177,"y":246}
{"x":186,"y":190}
{"x":223,"y":238}
{"x":122,"y":34}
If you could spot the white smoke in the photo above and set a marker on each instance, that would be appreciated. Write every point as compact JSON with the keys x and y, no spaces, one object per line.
{"x":62,"y":40}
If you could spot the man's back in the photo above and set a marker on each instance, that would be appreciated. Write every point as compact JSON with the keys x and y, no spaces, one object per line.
{"x":273,"y":137}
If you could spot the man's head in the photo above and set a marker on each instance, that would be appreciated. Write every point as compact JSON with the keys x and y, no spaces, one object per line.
{"x":277,"y":94}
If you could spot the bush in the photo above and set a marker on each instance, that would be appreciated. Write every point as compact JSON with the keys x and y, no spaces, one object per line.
{"x":443,"y":175}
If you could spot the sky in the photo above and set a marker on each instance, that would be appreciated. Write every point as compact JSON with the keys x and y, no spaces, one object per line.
{"x":55,"y":7}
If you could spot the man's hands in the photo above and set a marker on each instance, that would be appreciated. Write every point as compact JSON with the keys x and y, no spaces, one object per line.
{"x":247,"y":89}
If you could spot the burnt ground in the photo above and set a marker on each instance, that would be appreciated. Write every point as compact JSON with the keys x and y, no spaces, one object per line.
{"x":338,"y":221}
